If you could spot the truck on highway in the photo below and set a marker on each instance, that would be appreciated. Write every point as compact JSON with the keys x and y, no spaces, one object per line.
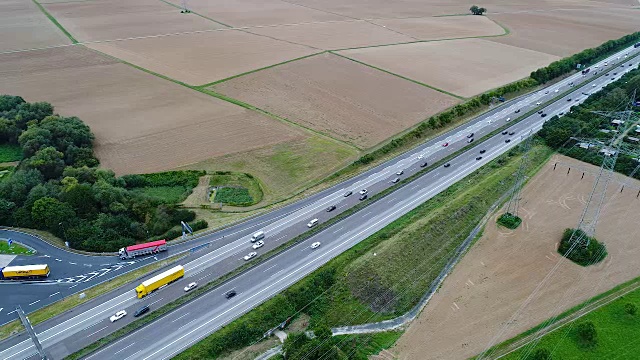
{"x":150,"y":285}
{"x":132,"y":251}
{"x":586,"y":71}
{"x":26,"y":272}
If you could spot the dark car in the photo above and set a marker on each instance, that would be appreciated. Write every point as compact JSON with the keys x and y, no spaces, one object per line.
{"x":141,"y":311}
{"x":511,"y":133}
{"x":363,"y":197}
{"x":505,"y":132}
{"x":230,"y":294}
{"x":540,"y":112}
{"x":508,"y":141}
{"x":348,"y":193}
{"x":607,"y":74}
{"x":630,"y":64}
{"x":470,"y":136}
{"x":543,"y":115}
{"x":447,"y":165}
{"x":479,"y":158}
{"x":424,"y":164}
{"x":569,"y":99}
{"x":483,"y":151}
{"x":331,"y":208}
{"x":517,"y":111}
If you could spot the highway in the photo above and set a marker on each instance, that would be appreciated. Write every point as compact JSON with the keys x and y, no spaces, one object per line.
{"x":207,"y":313}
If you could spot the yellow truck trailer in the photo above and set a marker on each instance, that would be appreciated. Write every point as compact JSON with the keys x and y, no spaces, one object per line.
{"x":25,"y":272}
{"x":158,"y":281}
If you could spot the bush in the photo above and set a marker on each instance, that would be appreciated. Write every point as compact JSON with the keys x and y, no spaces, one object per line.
{"x":540,"y":354}
{"x":581,"y":254}
{"x":587,"y":335}
{"x":630,"y":309}
{"x":509,"y":221}
{"x":188,"y":178}
{"x":233,"y":196}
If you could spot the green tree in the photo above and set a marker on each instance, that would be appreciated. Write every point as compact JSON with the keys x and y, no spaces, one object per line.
{"x":34,"y":139}
{"x":587,"y":334}
{"x":540,"y":354}
{"x":49,"y":213}
{"x":6,"y":210}
{"x":630,"y":309}
{"x":475,"y":10}
{"x":17,"y":187}
{"x":48,"y":161}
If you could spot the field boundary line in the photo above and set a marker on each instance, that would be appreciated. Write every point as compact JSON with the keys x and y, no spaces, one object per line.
{"x":195,"y":13}
{"x":400,"y":76}
{"x":55,"y":22}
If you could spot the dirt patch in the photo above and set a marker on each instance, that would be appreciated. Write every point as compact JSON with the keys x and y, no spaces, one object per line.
{"x":566,"y":32}
{"x":340,"y":97}
{"x":120,"y":19}
{"x":24,"y":26}
{"x":475,"y":307}
{"x":211,"y":55}
{"x":448,"y":27}
{"x":253,"y":351}
{"x":200,"y":194}
{"x":142,"y":123}
{"x":464,"y":67}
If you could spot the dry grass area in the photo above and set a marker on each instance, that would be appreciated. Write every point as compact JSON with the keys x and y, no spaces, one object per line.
{"x":448,"y":27}
{"x":120,"y":19}
{"x":565,"y":32}
{"x":483,"y":301}
{"x":211,"y":55}
{"x":340,"y":97}
{"x":142,"y":123}
{"x":200,"y":194}
{"x":24,"y":26}
{"x":464,"y":67}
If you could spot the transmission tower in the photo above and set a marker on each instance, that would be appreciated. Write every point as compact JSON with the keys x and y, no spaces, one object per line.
{"x":514,"y":198}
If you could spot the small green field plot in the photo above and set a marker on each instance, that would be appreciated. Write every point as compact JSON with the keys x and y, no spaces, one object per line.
{"x":236,"y":189}
{"x":9,"y":153}
{"x":14,"y":249}
{"x":235,"y":196}
{"x":170,"y":187}
{"x":166,"y":194}
{"x":609,"y":332}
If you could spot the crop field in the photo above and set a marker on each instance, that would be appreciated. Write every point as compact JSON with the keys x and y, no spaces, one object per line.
{"x":448,"y":27}
{"x":477,"y":306}
{"x":142,"y":123}
{"x":24,"y":26}
{"x":483,"y":65}
{"x":332,"y":95}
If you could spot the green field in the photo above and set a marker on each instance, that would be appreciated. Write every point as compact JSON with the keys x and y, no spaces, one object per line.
{"x":15,"y":249}
{"x":236,"y":189}
{"x":9,"y":153}
{"x":166,"y":194}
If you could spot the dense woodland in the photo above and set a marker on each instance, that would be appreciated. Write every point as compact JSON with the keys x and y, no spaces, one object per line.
{"x":58,"y":187}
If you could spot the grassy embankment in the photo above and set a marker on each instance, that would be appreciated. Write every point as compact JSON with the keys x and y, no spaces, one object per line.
{"x":236,"y":189}
{"x":72,"y":301}
{"x":14,"y":249}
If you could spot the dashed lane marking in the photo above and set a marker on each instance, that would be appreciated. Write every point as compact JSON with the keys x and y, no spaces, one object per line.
{"x":35,"y":302}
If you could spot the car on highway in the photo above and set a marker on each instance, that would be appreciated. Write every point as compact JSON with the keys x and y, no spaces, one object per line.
{"x":229,"y":294}
{"x":348,"y":193}
{"x":447,"y":165}
{"x":540,"y":112}
{"x":483,"y":151}
{"x":424,"y":164}
{"x":395,"y":180}
{"x":470,"y":136}
{"x":363,"y":197}
{"x":469,"y":141}
{"x":505,"y":132}
{"x":546,"y":92}
{"x":538,"y":103}
{"x":258,"y":245}
{"x":568,"y":99}
{"x":312,"y":223}
{"x":117,"y":316}
{"x":512,"y":132}
{"x":630,"y":64}
{"x":331,"y":208}
{"x":250,"y":256}
{"x":517,"y":111}
{"x":508,"y":119}
{"x":315,"y":245}
{"x":557,"y":90}
{"x":445,"y":144}
{"x":607,"y":74}
{"x":399,"y":172}
{"x":193,"y":285}
{"x":143,"y":310}
{"x":561,"y":113}
{"x":363,"y":191}
{"x":420,"y":156}
{"x":613,"y":78}
{"x":594,"y":85}
{"x":543,"y":115}
{"x":508,"y":141}
{"x":479,"y":158}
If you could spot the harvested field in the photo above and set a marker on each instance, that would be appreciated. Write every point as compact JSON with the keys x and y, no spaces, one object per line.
{"x":464,"y":67}
{"x":24,"y":26}
{"x":567,"y":32}
{"x":142,"y":123}
{"x":335,"y":35}
{"x":475,"y":306}
{"x":120,"y":19}
{"x":448,"y":27}
{"x":211,"y":55}
{"x":339,"y":97}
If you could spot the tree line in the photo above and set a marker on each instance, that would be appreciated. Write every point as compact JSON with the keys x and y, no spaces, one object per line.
{"x":58,"y":186}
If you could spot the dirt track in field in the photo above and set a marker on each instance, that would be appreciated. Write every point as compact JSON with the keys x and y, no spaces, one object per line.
{"x":142,"y":123}
{"x":464,"y":67}
{"x":448,"y":27}
{"x":24,"y":26}
{"x":478,"y":304}
{"x":337,"y":96}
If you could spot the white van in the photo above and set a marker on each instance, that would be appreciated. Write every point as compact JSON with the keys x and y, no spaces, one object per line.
{"x":257,"y":236}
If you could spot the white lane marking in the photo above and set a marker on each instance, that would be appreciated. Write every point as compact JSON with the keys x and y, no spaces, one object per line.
{"x":132,"y":355}
{"x":95,"y":332}
{"x":71,"y":287}
{"x":155,"y":302}
{"x":338,"y":230}
{"x":180,"y":317}
{"x":265,"y":270}
{"x":124,"y":348}
{"x":54,"y":294}
{"x":72,"y":263}
{"x":11,"y":312}
{"x":58,"y":260}
{"x":1,"y":309}
{"x":35,"y":302}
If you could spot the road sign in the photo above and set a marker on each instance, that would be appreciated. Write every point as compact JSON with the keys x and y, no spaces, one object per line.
{"x":9,"y":241}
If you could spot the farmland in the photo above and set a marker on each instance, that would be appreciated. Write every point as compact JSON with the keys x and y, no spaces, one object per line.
{"x":20,"y":21}
{"x":493,"y":280}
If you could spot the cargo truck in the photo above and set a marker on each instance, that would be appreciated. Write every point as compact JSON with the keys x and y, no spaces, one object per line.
{"x":150,"y":285}
{"x":132,"y":251}
{"x":636,"y":45}
{"x":26,"y":272}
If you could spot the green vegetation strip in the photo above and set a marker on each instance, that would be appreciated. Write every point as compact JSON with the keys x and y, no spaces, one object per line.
{"x":237,"y":180}
{"x":10,"y":153}
{"x":72,"y":301}
{"x":55,"y":22}
{"x":14,"y":249}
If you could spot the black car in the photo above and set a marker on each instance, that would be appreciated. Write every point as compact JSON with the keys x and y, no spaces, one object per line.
{"x":141,"y":311}
{"x":517,"y":111}
{"x":470,"y":136}
{"x":483,"y":151}
{"x":230,"y":294}
{"x":505,"y":132}
{"x":543,"y":115}
{"x":607,"y":74}
{"x":569,"y":99}
{"x":540,"y":112}
{"x":424,"y":164}
{"x":348,"y":193}
{"x":630,"y":64}
{"x":615,"y":73}
{"x":479,"y":158}
{"x":508,"y":141}
{"x":447,"y":165}
{"x":331,"y":208}
{"x":511,"y":133}
{"x":363,"y":197}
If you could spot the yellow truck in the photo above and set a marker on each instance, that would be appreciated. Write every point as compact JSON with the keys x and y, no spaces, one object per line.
{"x":150,"y":285}
{"x":26,"y":272}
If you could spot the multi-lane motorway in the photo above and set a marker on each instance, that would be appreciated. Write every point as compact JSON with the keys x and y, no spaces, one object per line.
{"x":177,"y":330}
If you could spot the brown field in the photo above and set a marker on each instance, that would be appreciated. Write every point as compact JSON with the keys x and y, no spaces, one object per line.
{"x":490,"y":284}
{"x":340,"y":97}
{"x":464,"y":67}
{"x":24,"y":26}
{"x":567,"y":32}
{"x":200,"y":58}
{"x":142,"y":123}
{"x":120,"y":19}
{"x":448,"y":27}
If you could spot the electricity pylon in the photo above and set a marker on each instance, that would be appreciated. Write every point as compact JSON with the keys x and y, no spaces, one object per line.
{"x":514,"y":198}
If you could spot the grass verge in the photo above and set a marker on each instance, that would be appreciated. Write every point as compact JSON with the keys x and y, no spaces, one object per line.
{"x":14,"y":249}
{"x":72,"y":301}
{"x":55,"y":22}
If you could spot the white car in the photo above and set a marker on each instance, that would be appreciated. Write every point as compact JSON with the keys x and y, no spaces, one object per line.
{"x":557,"y":90}
{"x":363,"y":191}
{"x":400,"y":172}
{"x":190,"y":286}
{"x":538,"y":103}
{"x":250,"y":255}
{"x":315,"y":245}
{"x":508,"y":119}
{"x":312,"y":223}
{"x":420,"y":156}
{"x":594,"y":85}
{"x":119,"y":315}
{"x":258,"y":245}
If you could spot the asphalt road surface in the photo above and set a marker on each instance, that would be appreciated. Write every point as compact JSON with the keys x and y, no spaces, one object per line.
{"x":72,"y":331}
